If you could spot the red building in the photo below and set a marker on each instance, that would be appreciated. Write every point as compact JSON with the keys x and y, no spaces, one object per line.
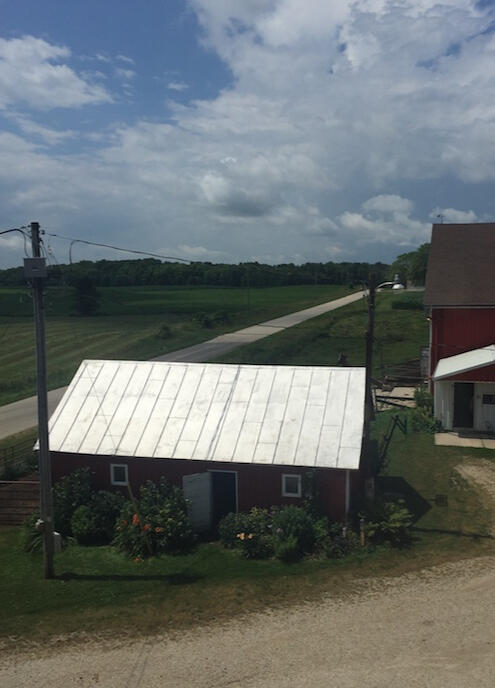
{"x":460,"y":297}
{"x":232,"y":436}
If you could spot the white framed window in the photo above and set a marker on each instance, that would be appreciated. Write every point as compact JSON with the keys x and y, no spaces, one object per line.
{"x":291,"y":485}
{"x":119,"y":474}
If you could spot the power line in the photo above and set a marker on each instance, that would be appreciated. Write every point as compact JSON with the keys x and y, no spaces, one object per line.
{"x":24,"y":236}
{"x":115,"y":248}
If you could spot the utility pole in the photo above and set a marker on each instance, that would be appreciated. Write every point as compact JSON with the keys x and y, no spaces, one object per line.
{"x":35,"y":270}
{"x":368,"y":399}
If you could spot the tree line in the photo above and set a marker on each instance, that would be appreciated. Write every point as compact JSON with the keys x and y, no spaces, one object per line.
{"x":150,"y":271}
{"x":411,"y":268}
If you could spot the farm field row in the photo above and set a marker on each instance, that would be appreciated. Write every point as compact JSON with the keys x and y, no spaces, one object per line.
{"x":143,"y":322}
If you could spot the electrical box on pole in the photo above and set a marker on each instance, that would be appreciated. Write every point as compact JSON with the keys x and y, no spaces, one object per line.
{"x":35,"y":272}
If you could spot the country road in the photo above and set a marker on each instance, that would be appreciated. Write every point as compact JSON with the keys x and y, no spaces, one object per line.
{"x":22,"y":415}
{"x":431,"y":629}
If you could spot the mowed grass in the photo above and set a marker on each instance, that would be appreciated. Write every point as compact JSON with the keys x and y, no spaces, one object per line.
{"x":97,"y":590}
{"x":132,"y":328}
{"x":399,"y":337}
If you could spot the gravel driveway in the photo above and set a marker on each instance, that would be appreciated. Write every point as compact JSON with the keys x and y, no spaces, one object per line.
{"x":432,"y":629}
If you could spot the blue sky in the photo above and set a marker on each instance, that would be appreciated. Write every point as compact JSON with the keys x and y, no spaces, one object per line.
{"x":270,"y":130}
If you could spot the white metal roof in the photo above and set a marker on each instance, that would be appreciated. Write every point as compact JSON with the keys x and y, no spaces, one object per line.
{"x":461,"y":363}
{"x":285,"y":415}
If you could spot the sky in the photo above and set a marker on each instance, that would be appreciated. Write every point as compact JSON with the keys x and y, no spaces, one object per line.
{"x":256,"y":130}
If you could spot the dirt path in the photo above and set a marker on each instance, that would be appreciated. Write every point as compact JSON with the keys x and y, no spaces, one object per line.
{"x":433,"y":629}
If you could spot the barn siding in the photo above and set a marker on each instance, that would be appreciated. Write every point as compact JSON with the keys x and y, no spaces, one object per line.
{"x":257,"y":485}
{"x":456,"y":330}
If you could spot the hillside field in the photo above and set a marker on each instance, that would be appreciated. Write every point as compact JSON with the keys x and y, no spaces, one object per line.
{"x":401,"y":330}
{"x":135,"y":323}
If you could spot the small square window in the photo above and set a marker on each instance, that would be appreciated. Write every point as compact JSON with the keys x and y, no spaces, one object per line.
{"x":118,"y":474}
{"x":291,"y":485}
{"x":489,"y":398}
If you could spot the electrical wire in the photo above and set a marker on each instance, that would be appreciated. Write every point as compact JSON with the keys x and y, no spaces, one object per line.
{"x":115,"y":248}
{"x":24,"y":236}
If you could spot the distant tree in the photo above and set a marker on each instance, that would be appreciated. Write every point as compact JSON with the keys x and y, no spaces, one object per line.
{"x":86,"y":296}
{"x":411,"y":267}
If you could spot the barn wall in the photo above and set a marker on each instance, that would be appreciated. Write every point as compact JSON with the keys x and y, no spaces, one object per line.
{"x":257,"y":485}
{"x":456,"y":330}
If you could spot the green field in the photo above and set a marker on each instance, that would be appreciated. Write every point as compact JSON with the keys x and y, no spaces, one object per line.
{"x":399,"y":335}
{"x":131,"y":325}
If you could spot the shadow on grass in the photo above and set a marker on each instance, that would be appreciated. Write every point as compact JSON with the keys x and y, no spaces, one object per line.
{"x":397,"y":487}
{"x":459,"y":533}
{"x":182,"y":578}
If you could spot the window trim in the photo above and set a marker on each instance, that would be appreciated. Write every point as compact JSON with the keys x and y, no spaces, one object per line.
{"x":292,"y":494}
{"x":119,"y":482}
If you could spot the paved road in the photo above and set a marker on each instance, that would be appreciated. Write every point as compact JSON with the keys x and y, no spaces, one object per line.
{"x":428,"y":630}
{"x":22,"y":415}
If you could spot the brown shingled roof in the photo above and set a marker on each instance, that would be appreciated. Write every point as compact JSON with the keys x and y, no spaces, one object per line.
{"x":461,"y":266}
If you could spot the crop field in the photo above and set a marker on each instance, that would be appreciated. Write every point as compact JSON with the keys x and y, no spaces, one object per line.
{"x":134,"y":323}
{"x":401,"y":330}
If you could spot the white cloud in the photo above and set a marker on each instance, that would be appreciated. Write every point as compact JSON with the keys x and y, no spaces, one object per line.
{"x":125,"y":58}
{"x":125,"y":74}
{"x":344,"y":125}
{"x":177,"y":86}
{"x":29,"y":76}
{"x":453,"y":215}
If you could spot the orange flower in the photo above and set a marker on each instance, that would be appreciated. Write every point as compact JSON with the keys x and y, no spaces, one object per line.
{"x":158,"y":529}
{"x":146,"y":527}
{"x":135,"y":520}
{"x":137,"y":560}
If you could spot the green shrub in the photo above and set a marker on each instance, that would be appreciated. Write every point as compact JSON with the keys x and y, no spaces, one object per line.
{"x":288,"y":550}
{"x":83,"y":526}
{"x":321,"y":529}
{"x":422,"y":419}
{"x":69,"y":493}
{"x":256,"y":546}
{"x":293,"y":522}
{"x":389,"y":522}
{"x":94,"y":523}
{"x":340,"y":542}
{"x":154,"y":524}
{"x":31,"y":540}
{"x":229,"y":528}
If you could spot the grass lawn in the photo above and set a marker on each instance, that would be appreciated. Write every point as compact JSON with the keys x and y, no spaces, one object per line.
{"x":131,"y":327}
{"x":98,"y":590}
{"x":399,"y":336}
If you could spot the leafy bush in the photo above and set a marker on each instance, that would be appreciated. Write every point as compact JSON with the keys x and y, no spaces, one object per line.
{"x":340,"y":543}
{"x":31,"y":540}
{"x":389,"y":522}
{"x":94,"y":523}
{"x":288,"y":549}
{"x":423,"y":399}
{"x":422,"y":419}
{"x":321,"y":529}
{"x":69,"y":493}
{"x":229,"y":528}
{"x":292,"y":522}
{"x":256,"y":541}
{"x":157,"y":523}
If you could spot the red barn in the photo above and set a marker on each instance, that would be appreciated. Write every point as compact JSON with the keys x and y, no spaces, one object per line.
{"x":234,"y":436}
{"x":460,"y":295}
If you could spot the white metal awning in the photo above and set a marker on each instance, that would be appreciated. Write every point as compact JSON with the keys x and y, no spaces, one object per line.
{"x":462,"y":363}
{"x":278,"y":415}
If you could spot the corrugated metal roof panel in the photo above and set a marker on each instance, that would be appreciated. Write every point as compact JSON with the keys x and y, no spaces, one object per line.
{"x":277,"y":415}
{"x":462,"y":363}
